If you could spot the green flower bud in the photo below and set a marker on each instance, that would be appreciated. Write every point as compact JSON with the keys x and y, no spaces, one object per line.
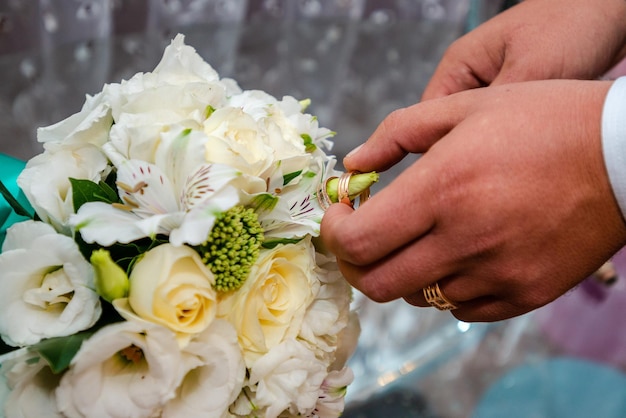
{"x":111,"y":280}
{"x":357,"y":185}
{"x":232,"y":247}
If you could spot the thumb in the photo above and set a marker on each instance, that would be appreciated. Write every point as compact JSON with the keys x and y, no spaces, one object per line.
{"x":412,"y":129}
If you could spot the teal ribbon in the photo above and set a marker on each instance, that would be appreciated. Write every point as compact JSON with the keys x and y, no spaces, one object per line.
{"x":10,"y":168}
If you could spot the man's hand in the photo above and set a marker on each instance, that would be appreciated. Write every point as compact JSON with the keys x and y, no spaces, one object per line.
{"x":535,"y":40}
{"x":508,"y":208}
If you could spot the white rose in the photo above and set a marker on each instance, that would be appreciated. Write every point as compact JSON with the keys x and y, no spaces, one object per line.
{"x":47,"y":286}
{"x":128,"y":369}
{"x":172,"y":287}
{"x":271,"y":304}
{"x":289,"y":377}
{"x":215,"y":366}
{"x":287,"y":114}
{"x":235,"y":139}
{"x":32,"y":385}
{"x":45,"y":180}
{"x":89,"y":126}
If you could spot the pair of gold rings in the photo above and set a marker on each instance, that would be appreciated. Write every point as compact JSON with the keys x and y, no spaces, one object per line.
{"x":435,"y":297}
{"x":343,"y":192}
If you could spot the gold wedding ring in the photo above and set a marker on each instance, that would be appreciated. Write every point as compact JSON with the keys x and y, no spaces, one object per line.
{"x":322,"y":194}
{"x":343,"y":191}
{"x":434,"y":296}
{"x":343,"y":188}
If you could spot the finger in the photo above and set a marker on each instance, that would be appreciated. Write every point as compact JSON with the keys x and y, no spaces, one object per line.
{"x":388,"y":221}
{"x":470,"y":62}
{"x":450,"y":78}
{"x":407,"y":271}
{"x":457,"y":289}
{"x":487,"y":309}
{"x":483,"y":309}
{"x":409,"y":130}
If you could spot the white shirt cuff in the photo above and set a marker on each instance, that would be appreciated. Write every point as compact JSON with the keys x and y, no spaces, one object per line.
{"x":614,"y":139}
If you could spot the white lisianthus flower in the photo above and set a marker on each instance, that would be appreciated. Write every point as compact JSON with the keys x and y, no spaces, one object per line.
{"x":327,"y":316}
{"x":47,"y":286}
{"x":145,"y":112}
{"x":270,"y":306}
{"x":127,"y":369}
{"x":332,"y":398}
{"x":215,"y":377}
{"x":32,"y":384}
{"x":171,"y":286}
{"x":89,"y":126}
{"x":289,"y":377}
{"x":45,"y":180}
{"x":183,"y":89}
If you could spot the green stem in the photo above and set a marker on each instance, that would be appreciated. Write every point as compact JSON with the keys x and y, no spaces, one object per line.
{"x":358,"y":184}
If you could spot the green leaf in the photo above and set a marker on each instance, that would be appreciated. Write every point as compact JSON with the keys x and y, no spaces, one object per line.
{"x":84,"y":191}
{"x":12,"y":201}
{"x":60,"y":351}
{"x":288,"y":177}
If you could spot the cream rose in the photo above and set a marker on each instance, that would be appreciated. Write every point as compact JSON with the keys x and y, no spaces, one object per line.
{"x":172,"y":287}
{"x":271,"y":304}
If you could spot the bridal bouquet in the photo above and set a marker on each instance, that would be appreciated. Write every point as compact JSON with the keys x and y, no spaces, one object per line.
{"x":172,"y":267}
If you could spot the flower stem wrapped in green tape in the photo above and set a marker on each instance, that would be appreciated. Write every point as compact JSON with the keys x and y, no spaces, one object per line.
{"x":358,"y":184}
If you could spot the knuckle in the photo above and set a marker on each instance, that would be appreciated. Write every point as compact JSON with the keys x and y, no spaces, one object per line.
{"x":355,"y":249}
{"x":392,"y":121}
{"x":349,"y":244}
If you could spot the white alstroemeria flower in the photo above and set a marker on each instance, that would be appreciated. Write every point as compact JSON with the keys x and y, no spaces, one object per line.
{"x":127,"y":369}
{"x":177,"y":196}
{"x":215,"y":375}
{"x":47,"y":286}
{"x":32,"y":384}
{"x":289,"y":377}
{"x":45,"y":180}
{"x":89,"y":126}
{"x":292,"y":210}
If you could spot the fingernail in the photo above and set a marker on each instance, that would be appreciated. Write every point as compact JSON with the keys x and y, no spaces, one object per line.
{"x":354,"y":151}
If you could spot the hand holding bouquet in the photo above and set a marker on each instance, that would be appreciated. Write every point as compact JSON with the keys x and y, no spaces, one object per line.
{"x":172,"y":268}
